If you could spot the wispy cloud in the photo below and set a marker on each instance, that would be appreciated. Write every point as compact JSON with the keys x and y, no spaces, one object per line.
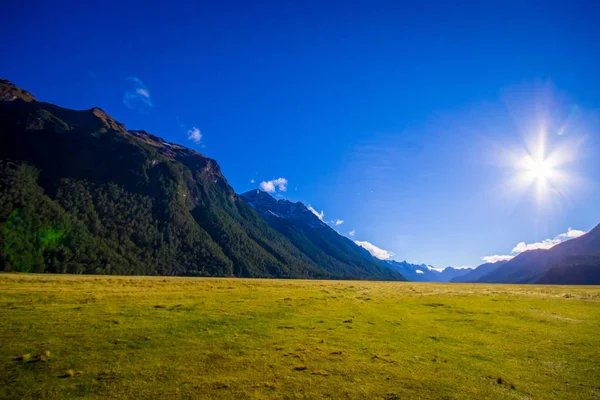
{"x":543,"y":244}
{"x":375,"y":251}
{"x":338,"y":222}
{"x":251,"y":180}
{"x":352,"y":232}
{"x":138,"y":96}
{"x":319,"y":215}
{"x":194,"y":135}
{"x":273,"y":185}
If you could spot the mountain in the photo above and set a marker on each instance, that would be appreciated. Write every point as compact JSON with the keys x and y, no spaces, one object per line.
{"x":412,"y":272}
{"x":574,"y":270}
{"x":425,"y":273}
{"x":317,"y":240}
{"x":475,"y":274}
{"x":79,"y":193}
{"x":576,"y":261}
{"x":450,"y":273}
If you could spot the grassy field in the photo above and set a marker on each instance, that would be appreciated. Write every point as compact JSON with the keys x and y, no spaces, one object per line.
{"x":102,"y":337}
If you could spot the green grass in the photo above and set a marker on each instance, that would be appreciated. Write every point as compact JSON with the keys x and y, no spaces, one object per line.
{"x":138,"y":338}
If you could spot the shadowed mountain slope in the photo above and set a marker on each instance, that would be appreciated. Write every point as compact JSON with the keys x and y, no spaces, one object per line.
{"x":574,"y":261}
{"x":79,"y":193}
{"x":475,"y":274}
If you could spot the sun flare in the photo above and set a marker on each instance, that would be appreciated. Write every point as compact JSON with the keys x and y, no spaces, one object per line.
{"x":539,"y":169}
{"x":543,"y":152}
{"x":542,"y":167}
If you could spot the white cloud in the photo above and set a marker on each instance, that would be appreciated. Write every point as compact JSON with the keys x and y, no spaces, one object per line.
{"x":375,"y":251}
{"x":544,"y":244}
{"x":251,"y":180}
{"x":273,"y":185}
{"x":572,"y":233}
{"x":463,"y":267}
{"x":352,"y":232}
{"x":496,"y":258}
{"x":338,"y":222}
{"x":418,"y":271}
{"x":194,"y":135}
{"x":548,"y":243}
{"x":138,"y":96}
{"x":319,"y":215}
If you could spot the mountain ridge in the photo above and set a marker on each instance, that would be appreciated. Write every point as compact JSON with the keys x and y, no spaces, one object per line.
{"x":316,"y":239}
{"x":79,"y":193}
{"x":533,"y":266}
{"x":424,"y":272}
{"x":478,"y":272}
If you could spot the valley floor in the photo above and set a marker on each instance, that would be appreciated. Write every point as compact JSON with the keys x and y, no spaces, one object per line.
{"x":98,"y":337}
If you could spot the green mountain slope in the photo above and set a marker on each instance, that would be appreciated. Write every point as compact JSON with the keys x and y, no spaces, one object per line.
{"x":318,"y":241}
{"x":81,"y":194}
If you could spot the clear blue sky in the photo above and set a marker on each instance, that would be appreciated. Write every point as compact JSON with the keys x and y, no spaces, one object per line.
{"x":395,"y":117}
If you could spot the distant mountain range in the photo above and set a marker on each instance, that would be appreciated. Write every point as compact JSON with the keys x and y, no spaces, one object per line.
{"x":79,"y":193}
{"x":477,"y":273}
{"x":425,"y":273}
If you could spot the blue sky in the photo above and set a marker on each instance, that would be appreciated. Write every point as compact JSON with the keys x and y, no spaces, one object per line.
{"x":404,"y":120}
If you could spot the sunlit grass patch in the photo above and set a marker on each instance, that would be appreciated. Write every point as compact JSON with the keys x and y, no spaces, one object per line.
{"x":156,"y":337}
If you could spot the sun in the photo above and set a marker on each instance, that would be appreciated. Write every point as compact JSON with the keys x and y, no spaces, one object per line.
{"x":540,"y":150}
{"x":539,"y":169}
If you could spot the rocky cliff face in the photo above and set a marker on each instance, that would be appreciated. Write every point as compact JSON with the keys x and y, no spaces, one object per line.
{"x":10,"y":92}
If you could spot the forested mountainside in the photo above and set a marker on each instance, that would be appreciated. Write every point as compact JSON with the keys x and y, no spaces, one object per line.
{"x":317,"y":240}
{"x":79,"y":193}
